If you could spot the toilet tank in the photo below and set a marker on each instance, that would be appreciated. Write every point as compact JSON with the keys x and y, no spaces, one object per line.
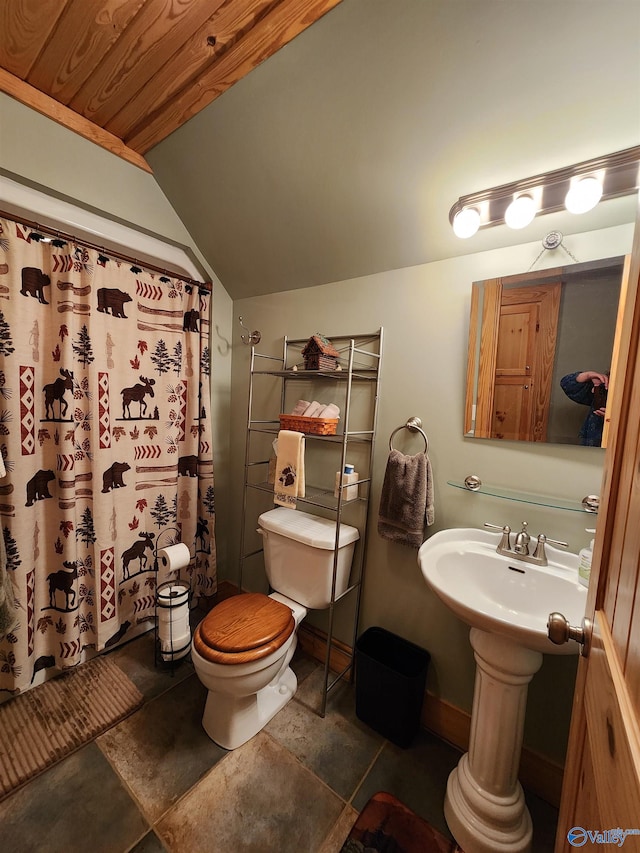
{"x":298,"y":555}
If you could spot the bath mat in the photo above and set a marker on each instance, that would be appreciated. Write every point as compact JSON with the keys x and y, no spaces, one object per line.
{"x":48,"y":723}
{"x":385,"y":824}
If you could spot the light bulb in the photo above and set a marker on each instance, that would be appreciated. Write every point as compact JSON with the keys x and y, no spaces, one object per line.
{"x":466,"y":222}
{"x":583,"y":195}
{"x":520,"y":212}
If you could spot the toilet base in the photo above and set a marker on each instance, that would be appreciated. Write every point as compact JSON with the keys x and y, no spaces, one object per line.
{"x":231,"y":721}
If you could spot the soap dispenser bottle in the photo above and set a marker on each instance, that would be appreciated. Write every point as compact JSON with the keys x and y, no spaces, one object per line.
{"x":584,"y":561}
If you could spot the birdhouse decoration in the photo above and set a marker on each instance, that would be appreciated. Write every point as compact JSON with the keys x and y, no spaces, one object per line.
{"x":320,"y":354}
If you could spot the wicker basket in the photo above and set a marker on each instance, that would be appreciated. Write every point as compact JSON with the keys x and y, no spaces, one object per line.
{"x":314,"y":426}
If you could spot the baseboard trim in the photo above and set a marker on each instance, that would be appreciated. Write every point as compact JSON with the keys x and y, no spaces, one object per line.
{"x":538,"y":773}
{"x":313,"y":642}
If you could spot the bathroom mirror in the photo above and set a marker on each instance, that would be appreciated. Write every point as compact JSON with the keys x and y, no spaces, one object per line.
{"x":526,"y":333}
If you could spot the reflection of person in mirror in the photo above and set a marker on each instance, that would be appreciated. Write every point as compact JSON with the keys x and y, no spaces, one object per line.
{"x":589,"y":388}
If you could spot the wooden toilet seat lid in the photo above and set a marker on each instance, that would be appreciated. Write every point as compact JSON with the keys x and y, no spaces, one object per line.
{"x":243,"y":628}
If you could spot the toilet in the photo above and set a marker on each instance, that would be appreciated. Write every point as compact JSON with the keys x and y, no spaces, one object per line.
{"x":242,"y":649}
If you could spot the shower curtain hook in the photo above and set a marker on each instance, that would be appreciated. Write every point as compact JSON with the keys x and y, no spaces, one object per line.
{"x":252,"y":337}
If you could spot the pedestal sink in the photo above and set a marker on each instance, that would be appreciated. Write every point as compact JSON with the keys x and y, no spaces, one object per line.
{"x":506,"y":602}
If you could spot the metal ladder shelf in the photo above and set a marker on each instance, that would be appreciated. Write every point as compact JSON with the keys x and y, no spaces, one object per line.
{"x":362,"y":357}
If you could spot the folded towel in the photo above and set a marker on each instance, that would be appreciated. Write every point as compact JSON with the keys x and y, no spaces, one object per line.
{"x":300,"y":407}
{"x":330,"y":411}
{"x":312,"y":409}
{"x":289,"y":479}
{"x":406,"y":501}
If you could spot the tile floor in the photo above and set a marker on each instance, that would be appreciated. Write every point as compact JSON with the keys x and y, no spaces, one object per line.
{"x":155,"y":782}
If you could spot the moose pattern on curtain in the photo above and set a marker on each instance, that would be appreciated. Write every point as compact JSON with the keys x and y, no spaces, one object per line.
{"x":105,"y":434}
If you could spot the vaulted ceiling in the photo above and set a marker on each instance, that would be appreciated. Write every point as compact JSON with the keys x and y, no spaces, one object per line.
{"x":309,"y":141}
{"x":126,"y":73}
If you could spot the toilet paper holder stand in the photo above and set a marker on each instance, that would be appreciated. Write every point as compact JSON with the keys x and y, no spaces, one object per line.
{"x":166,"y":600}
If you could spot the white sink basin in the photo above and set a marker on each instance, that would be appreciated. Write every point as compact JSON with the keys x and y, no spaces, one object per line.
{"x":500,"y":595}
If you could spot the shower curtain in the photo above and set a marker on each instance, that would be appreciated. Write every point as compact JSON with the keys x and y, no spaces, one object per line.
{"x":106,"y":439}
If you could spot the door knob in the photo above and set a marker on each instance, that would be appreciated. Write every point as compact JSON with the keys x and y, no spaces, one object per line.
{"x":560,"y":631}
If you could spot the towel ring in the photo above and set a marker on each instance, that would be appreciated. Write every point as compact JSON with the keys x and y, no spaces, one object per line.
{"x":413,"y":425}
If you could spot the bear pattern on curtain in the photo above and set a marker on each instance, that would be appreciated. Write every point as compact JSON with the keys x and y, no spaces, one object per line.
{"x":105,"y":434}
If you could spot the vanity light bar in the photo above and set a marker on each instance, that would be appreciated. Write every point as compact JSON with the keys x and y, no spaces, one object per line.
{"x":618,"y":174}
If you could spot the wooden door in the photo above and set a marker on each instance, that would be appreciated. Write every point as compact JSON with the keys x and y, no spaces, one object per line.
{"x":525,"y":349}
{"x":601,"y":790}
{"x":515,"y":357}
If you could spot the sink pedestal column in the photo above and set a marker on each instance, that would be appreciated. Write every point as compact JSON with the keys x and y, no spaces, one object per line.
{"x":484,"y":805}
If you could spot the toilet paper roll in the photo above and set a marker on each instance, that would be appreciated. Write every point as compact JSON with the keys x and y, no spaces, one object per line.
{"x":166,"y":615}
{"x":173,"y":632}
{"x":175,"y":644}
{"x":176,"y":649}
{"x":174,"y":558}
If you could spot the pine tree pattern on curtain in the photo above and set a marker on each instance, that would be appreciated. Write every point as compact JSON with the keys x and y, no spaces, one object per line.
{"x":105,"y":433}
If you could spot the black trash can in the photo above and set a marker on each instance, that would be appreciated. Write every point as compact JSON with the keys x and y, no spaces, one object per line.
{"x":391,"y":675}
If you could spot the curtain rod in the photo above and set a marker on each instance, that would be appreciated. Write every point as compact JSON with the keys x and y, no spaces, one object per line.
{"x":72,"y":238}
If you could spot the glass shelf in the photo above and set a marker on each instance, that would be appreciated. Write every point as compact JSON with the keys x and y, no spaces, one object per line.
{"x":524,"y":497}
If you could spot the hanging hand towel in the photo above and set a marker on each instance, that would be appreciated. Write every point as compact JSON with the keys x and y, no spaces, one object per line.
{"x":289,"y":482}
{"x":429,"y":513}
{"x":406,"y":501}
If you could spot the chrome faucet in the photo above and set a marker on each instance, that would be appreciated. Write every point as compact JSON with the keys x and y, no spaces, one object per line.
{"x":522,"y":541}
{"x":520,"y":550}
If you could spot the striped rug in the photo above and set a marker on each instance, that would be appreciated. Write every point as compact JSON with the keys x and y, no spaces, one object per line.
{"x":44,"y":725}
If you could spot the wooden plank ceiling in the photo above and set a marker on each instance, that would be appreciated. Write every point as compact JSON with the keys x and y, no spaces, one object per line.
{"x":127,"y":73}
